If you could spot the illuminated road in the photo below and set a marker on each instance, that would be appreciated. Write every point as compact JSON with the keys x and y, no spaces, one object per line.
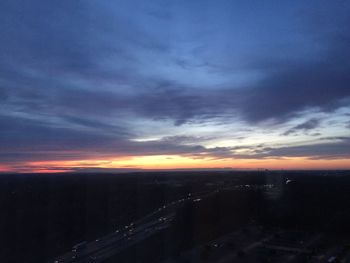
{"x":107,"y":246}
{"x":112,"y":244}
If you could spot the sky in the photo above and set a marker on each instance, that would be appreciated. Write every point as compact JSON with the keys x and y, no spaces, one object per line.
{"x":161,"y":84}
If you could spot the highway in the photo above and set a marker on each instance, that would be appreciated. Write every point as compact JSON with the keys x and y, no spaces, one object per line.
{"x":129,"y":235}
{"x":109,"y":245}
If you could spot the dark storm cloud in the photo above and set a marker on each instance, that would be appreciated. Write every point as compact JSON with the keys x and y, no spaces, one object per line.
{"x":330,"y":150}
{"x":306,"y":126}
{"x":334,"y":148}
{"x":21,"y":135}
{"x":39,"y":141}
{"x":323,"y":85}
{"x":66,"y":38}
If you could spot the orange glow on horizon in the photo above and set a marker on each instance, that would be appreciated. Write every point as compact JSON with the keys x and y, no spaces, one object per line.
{"x":177,"y":162}
{"x":4,"y":169}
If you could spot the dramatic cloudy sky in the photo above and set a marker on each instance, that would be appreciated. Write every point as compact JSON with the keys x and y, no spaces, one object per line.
{"x":174,"y":84}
